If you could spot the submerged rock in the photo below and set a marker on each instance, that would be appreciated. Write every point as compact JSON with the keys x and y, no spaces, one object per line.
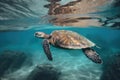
{"x":44,"y":72}
{"x":11,"y":61}
{"x":111,"y":68}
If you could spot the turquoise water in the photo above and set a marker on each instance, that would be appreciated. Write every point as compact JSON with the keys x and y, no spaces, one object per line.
{"x":73,"y":64}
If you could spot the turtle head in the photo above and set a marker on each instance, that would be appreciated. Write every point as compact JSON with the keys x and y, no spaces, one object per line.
{"x":41,"y":35}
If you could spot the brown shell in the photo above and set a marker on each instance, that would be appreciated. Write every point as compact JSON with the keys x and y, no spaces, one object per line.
{"x":69,"y":39}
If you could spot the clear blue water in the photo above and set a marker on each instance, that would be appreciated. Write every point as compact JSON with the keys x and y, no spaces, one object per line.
{"x":73,"y":64}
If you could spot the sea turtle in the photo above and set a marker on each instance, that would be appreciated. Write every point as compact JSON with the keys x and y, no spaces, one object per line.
{"x":69,"y":40}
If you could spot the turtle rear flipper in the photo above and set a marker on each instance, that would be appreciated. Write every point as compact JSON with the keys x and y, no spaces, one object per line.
{"x":46,"y":48}
{"x":92,"y":55}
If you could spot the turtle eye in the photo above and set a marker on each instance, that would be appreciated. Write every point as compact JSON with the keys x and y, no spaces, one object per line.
{"x":36,"y":34}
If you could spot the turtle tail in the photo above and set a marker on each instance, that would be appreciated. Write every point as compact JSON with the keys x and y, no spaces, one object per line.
{"x":92,"y":55}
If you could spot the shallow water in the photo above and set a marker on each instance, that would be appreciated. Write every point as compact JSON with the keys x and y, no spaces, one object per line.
{"x":72,"y":64}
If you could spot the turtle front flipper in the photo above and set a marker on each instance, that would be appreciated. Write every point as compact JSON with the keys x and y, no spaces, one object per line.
{"x":46,"y":48}
{"x":92,"y":55}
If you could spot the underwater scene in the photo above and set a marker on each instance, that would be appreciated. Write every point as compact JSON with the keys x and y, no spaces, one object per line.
{"x":59,"y":40}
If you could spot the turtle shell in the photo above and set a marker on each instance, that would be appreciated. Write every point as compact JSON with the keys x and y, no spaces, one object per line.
{"x":70,"y":39}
